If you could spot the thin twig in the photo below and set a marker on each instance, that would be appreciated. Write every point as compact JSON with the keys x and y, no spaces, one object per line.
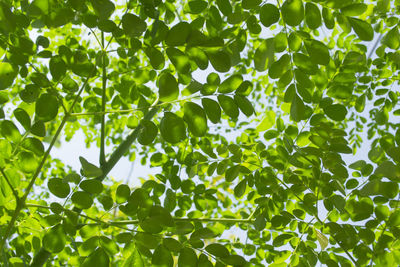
{"x":9,"y":184}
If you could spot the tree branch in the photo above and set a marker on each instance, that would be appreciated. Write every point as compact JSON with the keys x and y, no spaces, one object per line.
{"x":103,"y":105}
{"x":10,"y":185}
{"x":21,"y":202}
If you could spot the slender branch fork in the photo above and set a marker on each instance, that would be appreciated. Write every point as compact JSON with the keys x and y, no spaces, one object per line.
{"x":21,"y":201}
{"x":128,"y":222}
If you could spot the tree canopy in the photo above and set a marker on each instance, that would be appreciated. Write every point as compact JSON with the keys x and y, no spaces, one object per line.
{"x":272,"y":128}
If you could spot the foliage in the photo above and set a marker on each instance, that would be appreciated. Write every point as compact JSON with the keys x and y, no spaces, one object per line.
{"x":251,"y":112}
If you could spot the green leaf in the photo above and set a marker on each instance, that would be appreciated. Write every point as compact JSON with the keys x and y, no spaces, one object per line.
{"x":264,"y":55}
{"x":46,"y":107}
{"x":377,"y":187}
{"x":109,"y":245}
{"x":195,"y":6}
{"x":58,"y":188}
{"x":389,"y":170}
{"x":230,"y":84}
{"x":7,"y":75}
{"x":322,"y":240}
{"x":182,"y":228}
{"x":92,"y":186}
{"x":220,"y":60}
{"x":336,"y":112}
{"x":297,"y":109}
{"x":57,"y":67}
{"x":267,"y":122}
{"x":328,"y":17}
{"x":27,"y":162}
{"x":279,"y":67}
{"x":179,"y":59}
{"x":392,"y":39}
{"x":38,"y":7}
{"x":269,"y":14}
{"x":172,"y":128}
{"x":198,"y":56}
{"x":360,"y":210}
{"x":178,"y":34}
{"x":362,"y":29}
{"x":34,"y":145}
{"x":133,"y":25}
{"x":187,"y":258}
{"x":22,"y":116}
{"x":89,"y":246}
{"x":195,"y":118}
{"x":318,"y":51}
{"x":147,"y":240}
{"x":217,"y":250}
{"x":203,"y":233}
{"x":10,"y":131}
{"x":148,"y":132}
{"x":98,"y":258}
{"x":55,"y":239}
{"x":162,"y":257}
{"x":82,"y":199}
{"x":240,"y":188}
{"x":69,"y":84}
{"x":134,"y":259}
{"x":292,"y":12}
{"x":394,"y":219}
{"x":228,"y":106}
{"x":232,"y":172}
{"x":122,"y":193}
{"x":360,"y":103}
{"x":250,"y":4}
{"x":103,"y":8}
{"x":172,"y":244}
{"x":244,"y":105}
{"x":354,"y":10}
{"x":88,"y":169}
{"x":168,"y":87}
{"x":157,"y":59}
{"x":225,"y":7}
{"x":235,"y":260}
{"x":212,"y":109}
{"x":312,"y":16}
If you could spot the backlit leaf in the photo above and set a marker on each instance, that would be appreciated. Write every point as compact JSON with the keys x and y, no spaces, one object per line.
{"x":267,"y":122}
{"x":167,"y":87}
{"x":322,"y":239}
{"x":362,"y":28}
{"x":98,"y":258}
{"x":392,"y":38}
{"x":55,"y":239}
{"x":58,"y":187}
{"x":312,"y":16}
{"x":336,"y":112}
{"x":195,"y":117}
{"x":220,"y":60}
{"x":212,"y":109}
{"x":82,"y":199}
{"x":178,"y":34}
{"x":88,"y":169}
{"x":7,"y":75}
{"x":133,"y":25}
{"x":229,"y":106}
{"x":264,"y":55}
{"x":292,"y":12}
{"x":297,"y":108}
{"x":172,"y":128}
{"x":46,"y":107}
{"x":269,"y":14}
